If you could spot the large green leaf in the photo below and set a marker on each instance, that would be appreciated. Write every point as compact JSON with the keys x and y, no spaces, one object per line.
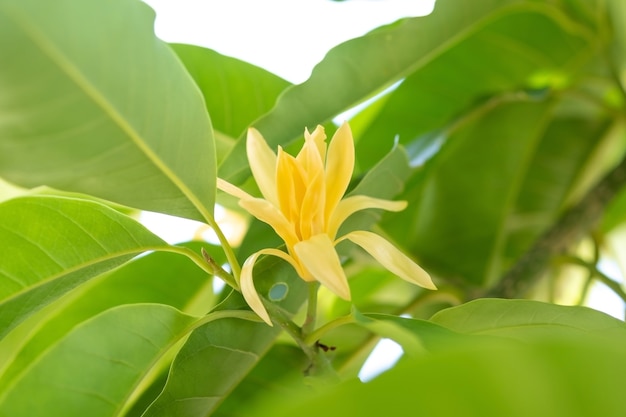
{"x":497,"y":183}
{"x":458,"y":81}
{"x":96,"y":368}
{"x":526,"y":318}
{"x":391,"y":53}
{"x":53,"y":244}
{"x":278,"y":373}
{"x":501,"y":378}
{"x":93,"y":102}
{"x":214,"y":360}
{"x":159,"y":277}
{"x":236,"y":93}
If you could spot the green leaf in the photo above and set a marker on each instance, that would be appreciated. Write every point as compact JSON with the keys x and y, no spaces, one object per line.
{"x":96,"y":368}
{"x":99,"y":105}
{"x":501,"y":378}
{"x":432,"y":336}
{"x":54,"y":244}
{"x":500,"y":180}
{"x":143,"y":280}
{"x":526,"y":319}
{"x":215,"y":358}
{"x":235,"y":92}
{"x":432,"y":97}
{"x":616,"y":17}
{"x":278,"y":373}
{"x":469,"y":191}
{"x":392,"y":52}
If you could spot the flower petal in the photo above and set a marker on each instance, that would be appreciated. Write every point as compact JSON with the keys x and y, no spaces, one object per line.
{"x":247,"y":284}
{"x":262,"y":162}
{"x":339,"y":167}
{"x":249,"y":292}
{"x":310,"y":157}
{"x":350,"y":205}
{"x":312,"y":208}
{"x":268,"y":213}
{"x":391,"y":258}
{"x":291,"y":186}
{"x":319,"y":257}
{"x":319,"y":138}
{"x":233,"y":190}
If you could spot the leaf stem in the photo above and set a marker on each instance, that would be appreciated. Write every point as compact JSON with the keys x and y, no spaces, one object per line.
{"x":202,"y":263}
{"x":228,"y":250}
{"x":319,"y":365}
{"x":317,"y":334}
{"x":599,"y":275}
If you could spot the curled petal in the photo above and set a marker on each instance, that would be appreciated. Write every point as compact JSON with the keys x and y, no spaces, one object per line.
{"x":247,"y":284}
{"x":262,"y":164}
{"x":339,"y":167}
{"x":350,"y":205}
{"x":233,"y":190}
{"x":268,"y":213}
{"x":319,"y":257}
{"x":391,"y":258}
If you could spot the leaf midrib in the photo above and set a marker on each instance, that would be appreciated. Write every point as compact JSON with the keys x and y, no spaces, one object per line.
{"x":81,"y":81}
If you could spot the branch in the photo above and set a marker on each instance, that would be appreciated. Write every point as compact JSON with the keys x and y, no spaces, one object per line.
{"x":571,"y":227}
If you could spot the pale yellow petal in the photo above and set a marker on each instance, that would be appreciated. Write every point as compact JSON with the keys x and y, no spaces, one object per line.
{"x":247,"y":282}
{"x":233,"y":190}
{"x":249,"y":292}
{"x":352,"y":204}
{"x":339,"y":167}
{"x":312,"y":208}
{"x":268,"y":213}
{"x":310,"y":156}
{"x":391,"y":258}
{"x":262,"y":162}
{"x":319,"y":138}
{"x":319,"y":257}
{"x":291,"y":186}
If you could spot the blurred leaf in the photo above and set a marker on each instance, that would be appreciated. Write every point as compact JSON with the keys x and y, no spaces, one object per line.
{"x":8,"y":190}
{"x":95,"y":103}
{"x":526,"y":319}
{"x":432,"y":335}
{"x":98,"y":365}
{"x":53,"y":244}
{"x":235,"y":92}
{"x":616,"y":24}
{"x":458,"y":80}
{"x":498,"y":182}
{"x":148,"y":279}
{"x":501,"y":378}
{"x":341,"y":80}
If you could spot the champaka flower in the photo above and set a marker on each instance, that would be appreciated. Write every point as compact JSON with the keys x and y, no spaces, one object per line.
{"x":303,"y":201}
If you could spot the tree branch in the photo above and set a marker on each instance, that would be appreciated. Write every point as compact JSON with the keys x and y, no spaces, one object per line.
{"x":572,"y":226}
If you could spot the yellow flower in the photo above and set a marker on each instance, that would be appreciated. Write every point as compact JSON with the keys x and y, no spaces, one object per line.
{"x":303,"y":202}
